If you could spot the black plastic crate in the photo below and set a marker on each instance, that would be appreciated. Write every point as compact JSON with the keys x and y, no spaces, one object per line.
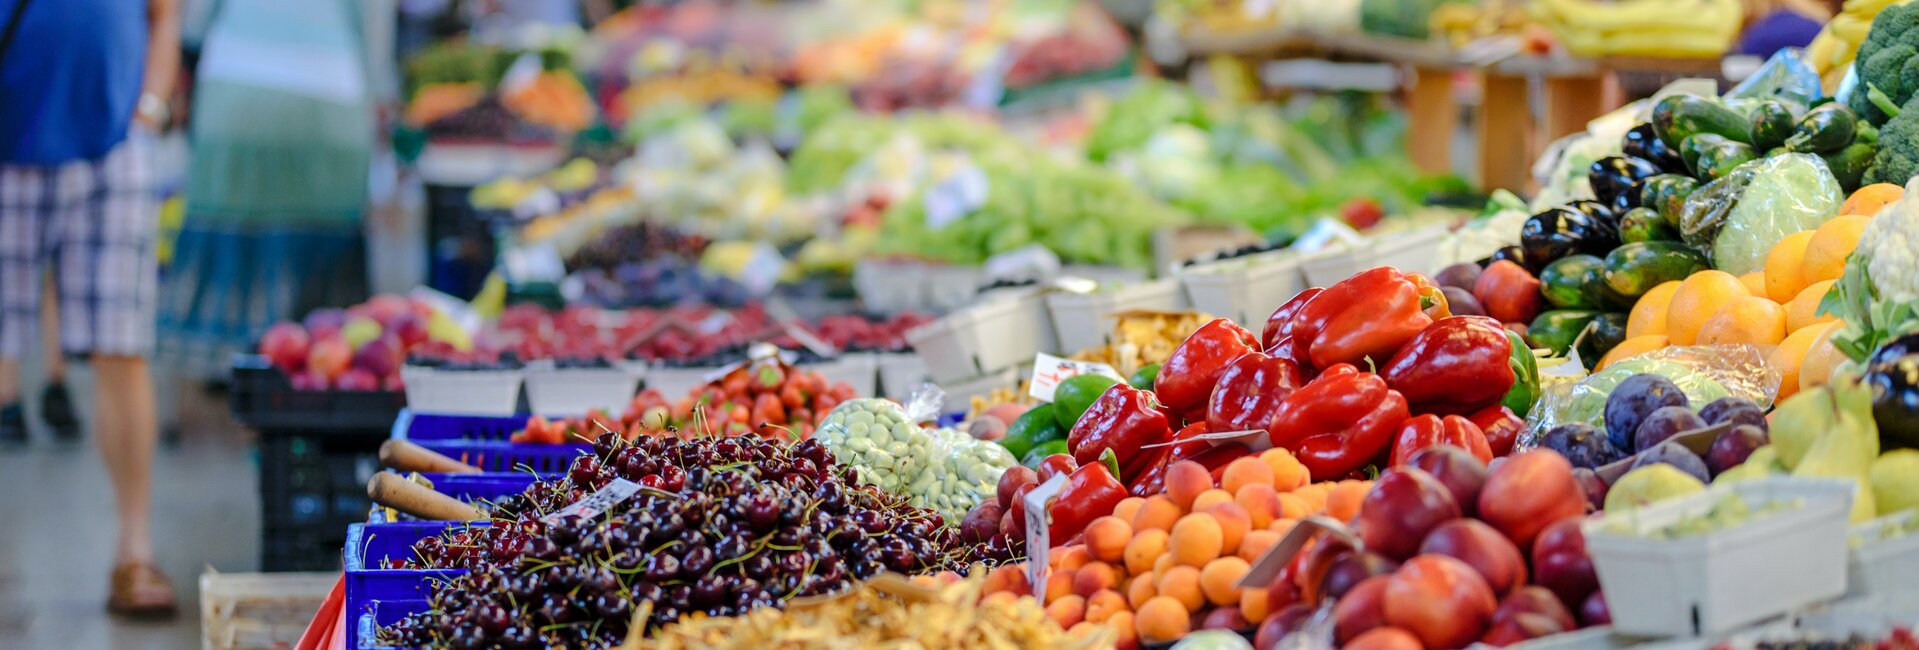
{"x":263,"y":398}
{"x":312,"y":486}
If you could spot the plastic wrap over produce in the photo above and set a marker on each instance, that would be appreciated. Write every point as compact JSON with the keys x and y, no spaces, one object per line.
{"x":1737,"y":219}
{"x":943,"y":469}
{"x":1703,"y":372}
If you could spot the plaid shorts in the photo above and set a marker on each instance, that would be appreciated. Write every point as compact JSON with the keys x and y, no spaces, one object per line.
{"x":93,"y":224}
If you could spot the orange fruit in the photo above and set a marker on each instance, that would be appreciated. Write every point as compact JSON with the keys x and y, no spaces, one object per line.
{"x":1261,"y":503}
{"x":1342,"y":502}
{"x":1068,"y":611}
{"x":1185,"y":480}
{"x":1206,"y":500}
{"x":1092,"y":578}
{"x":1869,"y":199}
{"x":1234,"y":523}
{"x":1161,"y":619}
{"x":1181,"y":583}
{"x":1219,"y":579}
{"x":1245,"y":471}
{"x":1104,"y":605}
{"x":1256,"y":543}
{"x":1106,"y":538}
{"x":1631,"y":347}
{"x":1791,"y":355}
{"x":1141,"y":589}
{"x":1804,"y":308}
{"x":1649,"y":314}
{"x":1128,"y":507}
{"x":1288,"y":472}
{"x":1255,"y":603}
{"x":1158,"y":513}
{"x":1146,"y":547}
{"x":1697,"y":299}
{"x":1825,"y":257}
{"x":1755,"y":282}
{"x":1784,"y":266}
{"x":1122,"y":622}
{"x":1293,"y":506}
{"x":1747,"y":320}
{"x":1197,"y":539}
{"x":1815,"y":367}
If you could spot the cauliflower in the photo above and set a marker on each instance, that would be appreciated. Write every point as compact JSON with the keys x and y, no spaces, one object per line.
{"x":1878,"y":296}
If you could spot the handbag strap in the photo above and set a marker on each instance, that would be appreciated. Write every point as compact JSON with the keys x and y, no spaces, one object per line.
{"x":13,"y":26}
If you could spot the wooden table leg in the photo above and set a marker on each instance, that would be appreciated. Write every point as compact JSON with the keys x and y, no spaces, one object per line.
{"x":1501,"y":132}
{"x":1571,"y":102}
{"x":1434,"y":117}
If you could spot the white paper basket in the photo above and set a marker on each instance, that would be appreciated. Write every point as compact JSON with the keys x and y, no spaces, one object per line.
{"x":570,"y":392}
{"x":1080,"y":320}
{"x":462,"y":392}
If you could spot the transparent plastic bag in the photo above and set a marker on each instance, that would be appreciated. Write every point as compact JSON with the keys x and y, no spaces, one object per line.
{"x":943,"y":469}
{"x":1785,"y":75}
{"x":1703,"y":372}
{"x":1736,"y":220}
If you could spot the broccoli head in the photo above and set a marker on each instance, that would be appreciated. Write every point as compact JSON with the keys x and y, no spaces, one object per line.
{"x":1892,"y":43}
{"x":1897,"y":160}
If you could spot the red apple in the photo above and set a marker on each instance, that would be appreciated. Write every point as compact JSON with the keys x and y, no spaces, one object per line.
{"x":1385,"y":638}
{"x":1457,"y":469}
{"x":285,"y":346}
{"x":1560,"y":562}
{"x":1534,"y":599}
{"x":393,"y":383}
{"x":1279,"y":624}
{"x":1011,"y":481}
{"x":330,"y":357}
{"x":1402,"y":507}
{"x":1224,"y":618}
{"x":358,"y":379}
{"x":1595,"y":488}
{"x":1483,"y":549}
{"x":1350,"y":569}
{"x":381,"y":356}
{"x":1363,"y":608}
{"x":1439,"y":599}
{"x":1595,"y":611}
{"x":1529,"y":491}
{"x":1520,"y":627}
{"x":387,"y":308}
{"x":322,"y":323}
{"x":411,"y":330}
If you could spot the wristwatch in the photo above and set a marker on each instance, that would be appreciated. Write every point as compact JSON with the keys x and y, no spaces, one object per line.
{"x":153,"y":108}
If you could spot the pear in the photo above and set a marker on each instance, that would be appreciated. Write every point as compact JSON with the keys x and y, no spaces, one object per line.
{"x":1650,"y":484}
{"x":1763,"y":462}
{"x":1895,"y":481}
{"x":1799,"y":421}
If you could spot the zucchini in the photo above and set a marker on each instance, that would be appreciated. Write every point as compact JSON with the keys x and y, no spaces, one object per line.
{"x":1720,"y":160}
{"x":1696,"y":146}
{"x":1635,"y":268}
{"x":1645,"y":224}
{"x":1678,"y":117}
{"x":1824,"y":129}
{"x":1564,"y":281}
{"x":1849,"y":164}
{"x":1666,"y":193}
{"x":1771,"y":122}
{"x":1602,"y":334}
{"x":1556,"y":329}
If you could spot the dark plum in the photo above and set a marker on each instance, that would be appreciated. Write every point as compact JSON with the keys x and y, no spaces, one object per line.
{"x":1731,"y":448}
{"x":1664,"y":423}
{"x":1630,"y":403}
{"x":1734,"y":410}
{"x":1582,"y":445}
{"x":1676,"y":455}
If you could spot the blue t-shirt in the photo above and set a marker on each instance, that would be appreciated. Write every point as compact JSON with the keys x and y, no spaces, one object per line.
{"x":71,"y":78}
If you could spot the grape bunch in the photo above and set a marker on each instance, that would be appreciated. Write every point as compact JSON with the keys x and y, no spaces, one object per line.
{"x":722,"y":526}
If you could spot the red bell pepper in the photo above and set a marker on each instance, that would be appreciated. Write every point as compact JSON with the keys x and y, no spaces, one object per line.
{"x":1432,"y":299}
{"x":1054,"y":465}
{"x":1187,"y":377}
{"x":1502,"y":428}
{"x":1090,"y":493}
{"x":1367,"y":316}
{"x":1125,"y":420}
{"x":1422,"y":431}
{"x":1455,"y":366}
{"x":1153,"y":480}
{"x":1279,"y":325}
{"x":1340,"y":422}
{"x":1249,"y":392}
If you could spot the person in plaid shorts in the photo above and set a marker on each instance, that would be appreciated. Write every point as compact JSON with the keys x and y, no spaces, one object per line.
{"x":82,"y":84}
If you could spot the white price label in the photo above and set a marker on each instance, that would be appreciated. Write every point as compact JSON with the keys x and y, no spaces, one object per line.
{"x":1038,"y":538}
{"x":956,"y":195}
{"x":533,"y":263}
{"x":597,"y":503}
{"x":1049,"y":371}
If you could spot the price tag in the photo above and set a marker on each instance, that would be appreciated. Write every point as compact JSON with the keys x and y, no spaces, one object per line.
{"x":1038,"y":538}
{"x":597,"y":503}
{"x":1049,"y":371}
{"x":1281,"y":554}
{"x":521,"y":74}
{"x":956,"y":195}
{"x":533,"y":263}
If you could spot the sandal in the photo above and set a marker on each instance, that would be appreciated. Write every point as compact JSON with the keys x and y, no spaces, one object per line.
{"x":140,"y":590}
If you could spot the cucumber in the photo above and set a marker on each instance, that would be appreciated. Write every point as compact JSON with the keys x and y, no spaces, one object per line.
{"x":1715,"y":163}
{"x":1849,"y":164}
{"x":1556,"y":329}
{"x":1824,"y":129}
{"x":1635,"y":268}
{"x":1564,"y":281}
{"x":1604,"y":333}
{"x":1666,"y":193}
{"x":1678,"y":117}
{"x":1696,"y":146}
{"x":1771,"y":122}
{"x":1645,"y":224}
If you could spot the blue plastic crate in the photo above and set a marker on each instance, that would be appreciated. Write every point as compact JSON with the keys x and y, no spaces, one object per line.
{"x":493,"y":456}
{"x":471,"y":488}
{"x":365,"y":626}
{"x":420,"y":427}
{"x":368,"y":548}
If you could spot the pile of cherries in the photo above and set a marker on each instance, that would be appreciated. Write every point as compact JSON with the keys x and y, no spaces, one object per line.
{"x":721,"y":526}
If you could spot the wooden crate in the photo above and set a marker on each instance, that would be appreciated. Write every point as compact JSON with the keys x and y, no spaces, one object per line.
{"x":249,"y":611}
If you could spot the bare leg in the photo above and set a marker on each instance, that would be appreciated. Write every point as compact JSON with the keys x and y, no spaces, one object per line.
{"x":9,"y":381}
{"x":126,"y":431}
{"x":52,"y":359}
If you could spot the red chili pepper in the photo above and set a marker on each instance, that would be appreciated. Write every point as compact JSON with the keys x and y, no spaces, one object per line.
{"x":1153,"y":480}
{"x":1340,"y":422}
{"x":1279,"y":325}
{"x":1456,"y":365}
{"x":1367,"y":316}
{"x":1187,"y":377}
{"x":1090,"y":493}
{"x":1125,"y":420}
{"x":1422,"y":431}
{"x":1502,"y":428}
{"x":1508,"y":292}
{"x":1249,"y":392}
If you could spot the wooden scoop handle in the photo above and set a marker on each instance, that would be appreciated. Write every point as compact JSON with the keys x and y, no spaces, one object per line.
{"x":408,"y":457}
{"x":394,"y":491}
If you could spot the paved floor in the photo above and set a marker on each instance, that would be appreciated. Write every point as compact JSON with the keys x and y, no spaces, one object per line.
{"x":56,"y":533}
